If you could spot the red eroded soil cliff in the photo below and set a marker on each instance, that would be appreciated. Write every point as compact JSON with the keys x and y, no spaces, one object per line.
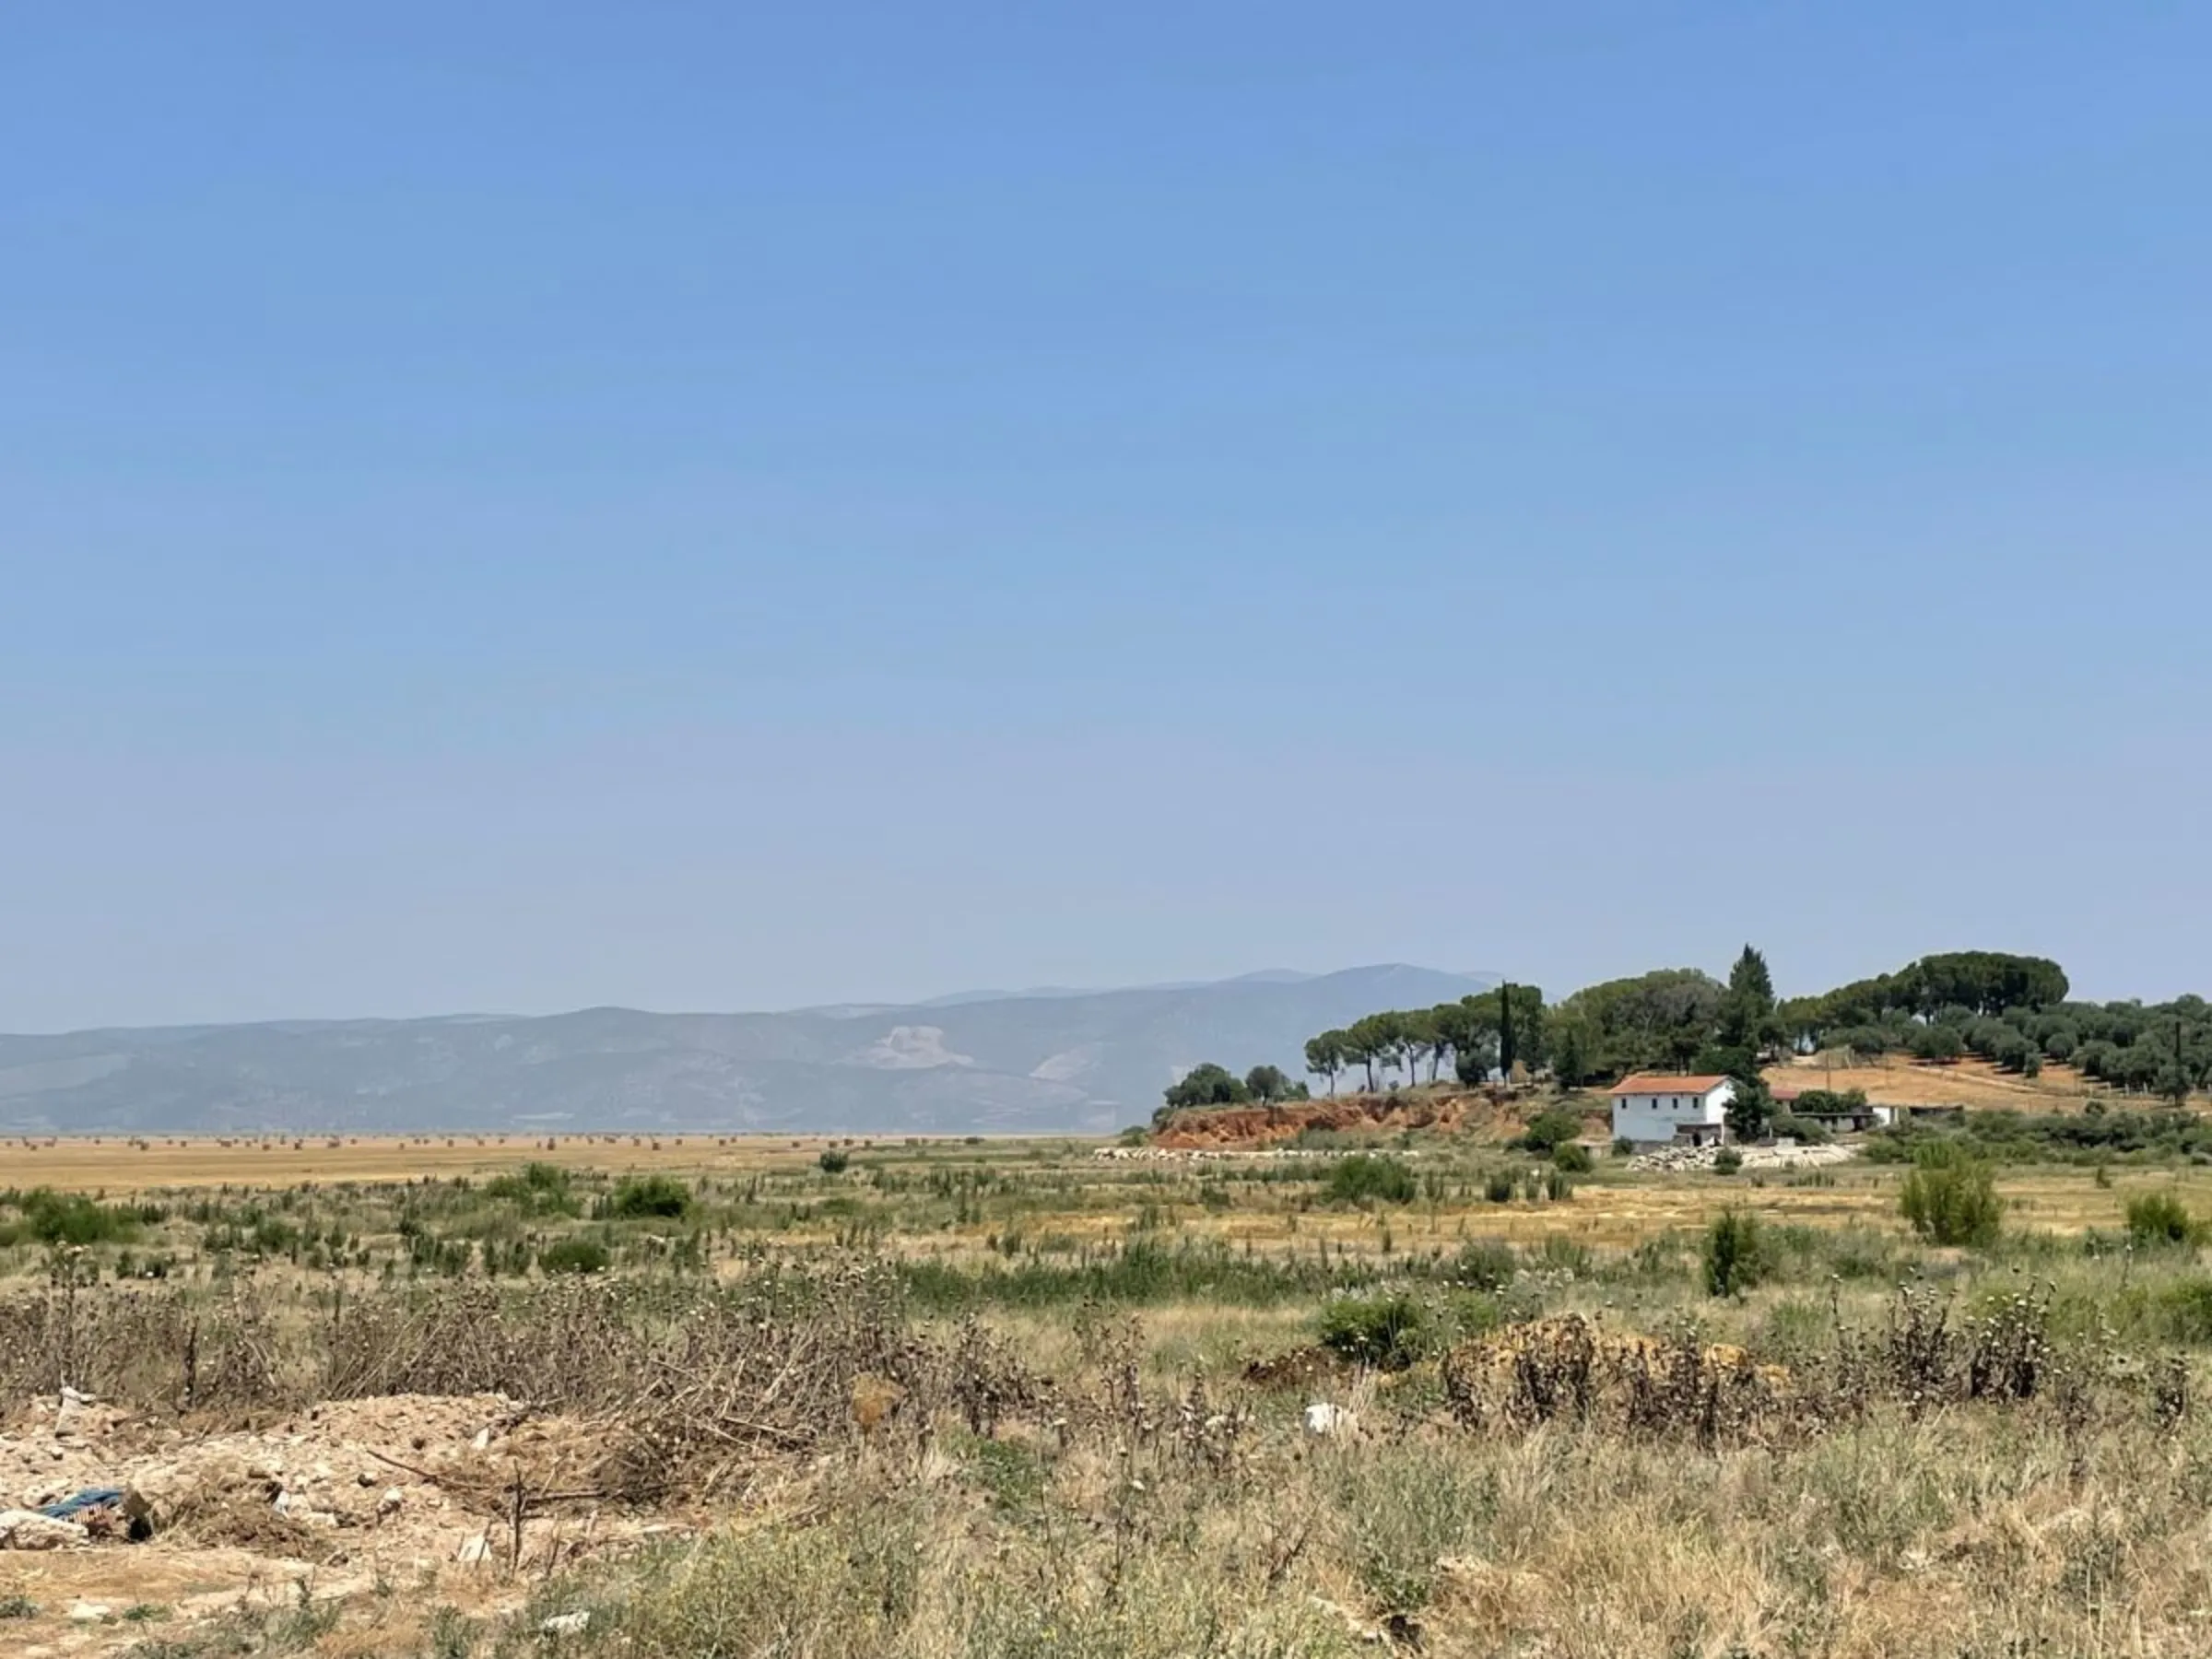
{"x":1228,"y":1128}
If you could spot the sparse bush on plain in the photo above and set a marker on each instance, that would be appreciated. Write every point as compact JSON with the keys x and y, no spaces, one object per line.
{"x":649,"y":1198}
{"x":1950,"y":1197}
{"x":1736,"y":1257}
{"x":1369,"y":1178}
{"x":52,"y":1217}
{"x":1484,"y":1263}
{"x":1389,"y":1333}
{"x":1549,"y":1130}
{"x":541,"y":1189}
{"x":2157,"y":1220}
{"x":574,"y":1256}
{"x":2185,"y":1308}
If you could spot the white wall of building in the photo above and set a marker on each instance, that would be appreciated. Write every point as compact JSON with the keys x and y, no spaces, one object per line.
{"x":1646,"y":1118}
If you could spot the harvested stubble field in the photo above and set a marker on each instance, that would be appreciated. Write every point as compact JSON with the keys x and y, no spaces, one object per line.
{"x":755,"y":1396}
{"x":152,"y":1163}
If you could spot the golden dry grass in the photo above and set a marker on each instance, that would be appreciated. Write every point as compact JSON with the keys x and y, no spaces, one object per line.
{"x":116,"y":1165}
{"x":1613,"y":1212}
{"x":1974,"y":1531}
{"x":1896,"y":1081}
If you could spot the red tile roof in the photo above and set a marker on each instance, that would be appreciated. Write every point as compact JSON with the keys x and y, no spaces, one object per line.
{"x":1655,"y":1083}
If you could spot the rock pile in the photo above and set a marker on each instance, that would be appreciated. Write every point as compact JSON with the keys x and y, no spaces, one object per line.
{"x":1204,"y":1154}
{"x":1754,"y":1157}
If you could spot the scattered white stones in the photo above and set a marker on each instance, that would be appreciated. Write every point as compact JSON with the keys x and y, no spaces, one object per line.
{"x":89,"y":1613}
{"x":1205,"y":1154}
{"x":1754,"y":1157}
{"x":567,"y":1624}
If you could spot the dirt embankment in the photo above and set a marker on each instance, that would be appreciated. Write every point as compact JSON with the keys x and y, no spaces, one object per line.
{"x":1227,"y":1129}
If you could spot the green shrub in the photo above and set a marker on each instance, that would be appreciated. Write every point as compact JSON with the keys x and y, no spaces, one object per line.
{"x":52,"y":1217}
{"x":1498,"y":1186}
{"x":1832,"y":1100}
{"x":541,"y":1188}
{"x":1623,"y":1147}
{"x":1572,"y":1156}
{"x":1484,"y":1263}
{"x":530,"y":1179}
{"x":1950,"y":1197}
{"x":1727,"y":1161}
{"x":1468,"y":1313}
{"x":834,"y":1160}
{"x":2186,"y":1310}
{"x":1365,"y":1176}
{"x":1735,"y":1255}
{"x":642,"y":1197}
{"x":1549,"y":1130}
{"x":1389,"y":1333}
{"x":2157,"y":1219}
{"x":574,"y":1256}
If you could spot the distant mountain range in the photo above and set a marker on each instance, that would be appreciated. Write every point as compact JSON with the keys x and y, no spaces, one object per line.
{"x":977,"y":1062}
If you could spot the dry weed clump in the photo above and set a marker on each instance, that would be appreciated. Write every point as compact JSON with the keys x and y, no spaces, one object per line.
{"x":168,"y":1350}
{"x":1922,"y":1357}
{"x":689,"y":1382}
{"x":1569,"y":1370}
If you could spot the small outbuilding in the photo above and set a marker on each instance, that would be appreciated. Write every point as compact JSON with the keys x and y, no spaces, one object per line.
{"x":1836,"y":1113}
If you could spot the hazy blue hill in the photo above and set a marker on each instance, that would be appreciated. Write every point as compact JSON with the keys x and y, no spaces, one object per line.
{"x":1054,"y":1059}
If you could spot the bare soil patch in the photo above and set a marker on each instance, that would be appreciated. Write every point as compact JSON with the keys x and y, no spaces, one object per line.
{"x":339,"y":1497}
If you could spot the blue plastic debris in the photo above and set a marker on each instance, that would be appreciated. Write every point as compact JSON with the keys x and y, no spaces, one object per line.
{"x":92,"y":1498}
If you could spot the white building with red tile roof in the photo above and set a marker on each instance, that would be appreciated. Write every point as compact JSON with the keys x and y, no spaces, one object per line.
{"x":1655,"y":1109}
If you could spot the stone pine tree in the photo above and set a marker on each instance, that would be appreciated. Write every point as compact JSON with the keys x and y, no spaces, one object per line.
{"x":1326,"y":1055}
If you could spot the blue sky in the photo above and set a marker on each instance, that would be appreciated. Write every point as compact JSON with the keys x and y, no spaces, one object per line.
{"x":525,"y":506}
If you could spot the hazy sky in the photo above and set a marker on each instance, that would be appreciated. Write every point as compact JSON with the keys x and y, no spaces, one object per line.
{"x":517,"y":506}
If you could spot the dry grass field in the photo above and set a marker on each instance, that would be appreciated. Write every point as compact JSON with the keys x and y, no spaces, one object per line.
{"x":473,"y":1399}
{"x":128,"y":1165}
{"x":1606,"y":1212}
{"x":1896,"y":1081}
